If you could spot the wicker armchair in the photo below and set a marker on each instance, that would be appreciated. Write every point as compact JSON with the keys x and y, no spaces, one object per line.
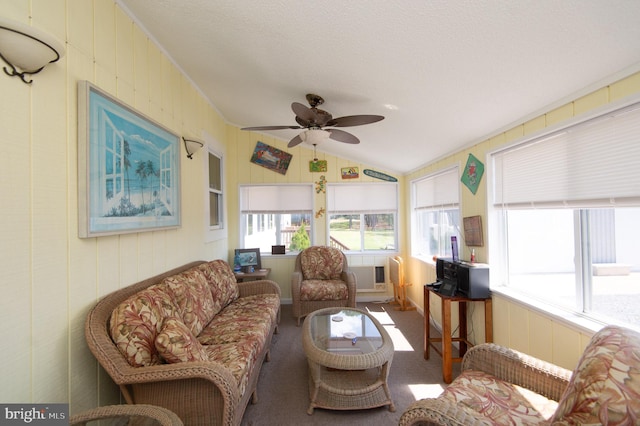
{"x":321,"y":279}
{"x":501,"y":386}
{"x":141,"y":414}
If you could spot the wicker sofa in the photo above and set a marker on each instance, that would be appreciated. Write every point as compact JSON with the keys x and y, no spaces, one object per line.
{"x":500,"y":386}
{"x":191,"y":340}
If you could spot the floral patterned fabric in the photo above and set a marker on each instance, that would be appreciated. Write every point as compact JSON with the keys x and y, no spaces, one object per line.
{"x":192,"y":296}
{"x":136,"y":322}
{"x":321,"y":263}
{"x":196,"y":316}
{"x":501,"y":402}
{"x":238,"y":357}
{"x":605,"y":386}
{"x":323,"y":290}
{"x":176,"y":343}
{"x":248,"y":318}
{"x":222,"y":282}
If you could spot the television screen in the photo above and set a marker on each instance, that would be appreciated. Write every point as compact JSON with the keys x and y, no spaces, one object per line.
{"x":248,"y":257}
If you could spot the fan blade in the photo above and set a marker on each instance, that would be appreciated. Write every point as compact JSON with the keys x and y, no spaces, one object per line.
{"x":354,"y":120}
{"x":342,"y":136}
{"x":271,"y":127}
{"x":305,"y":113}
{"x":295,"y":141}
{"x":310,"y":117}
{"x":303,"y":123}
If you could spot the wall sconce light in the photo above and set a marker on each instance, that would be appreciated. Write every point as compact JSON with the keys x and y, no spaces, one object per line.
{"x":191,"y":146}
{"x":26,"y":50}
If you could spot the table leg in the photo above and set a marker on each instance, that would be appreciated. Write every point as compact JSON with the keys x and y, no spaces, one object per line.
{"x":447,"y":362}
{"x":427,"y":325}
{"x":462,"y":327}
{"x":488,"y":321}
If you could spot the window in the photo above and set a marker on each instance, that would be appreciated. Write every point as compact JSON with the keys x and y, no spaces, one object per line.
{"x":436,"y":214}
{"x":214,"y":196}
{"x":362,"y":217}
{"x":215,"y":191}
{"x":276,"y":215}
{"x":566,"y":208}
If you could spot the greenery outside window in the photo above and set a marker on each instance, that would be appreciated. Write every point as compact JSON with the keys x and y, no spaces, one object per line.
{"x":363,"y":217}
{"x":276,"y":215}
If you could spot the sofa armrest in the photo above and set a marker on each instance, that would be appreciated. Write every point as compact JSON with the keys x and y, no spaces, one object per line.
{"x":518,"y":368}
{"x":157,"y":383}
{"x":251,"y":288}
{"x":440,"y":411}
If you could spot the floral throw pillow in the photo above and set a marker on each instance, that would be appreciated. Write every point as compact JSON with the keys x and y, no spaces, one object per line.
{"x":222,"y":282}
{"x":176,"y":343}
{"x":605,"y":386}
{"x":192,"y":297}
{"x":321,"y":263}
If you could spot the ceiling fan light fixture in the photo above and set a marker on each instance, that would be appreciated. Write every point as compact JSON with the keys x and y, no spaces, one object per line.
{"x":314,"y":136}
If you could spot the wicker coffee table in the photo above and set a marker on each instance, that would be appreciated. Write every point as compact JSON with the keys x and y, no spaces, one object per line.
{"x":349,"y":355}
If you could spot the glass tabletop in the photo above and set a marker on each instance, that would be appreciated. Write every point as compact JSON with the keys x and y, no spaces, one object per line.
{"x":345,"y":331}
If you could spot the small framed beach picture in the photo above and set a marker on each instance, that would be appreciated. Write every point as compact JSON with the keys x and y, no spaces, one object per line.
{"x":128,"y":168}
{"x":349,"y":173}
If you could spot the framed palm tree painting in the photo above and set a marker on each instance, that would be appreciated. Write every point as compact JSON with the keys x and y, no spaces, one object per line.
{"x":128,"y":168}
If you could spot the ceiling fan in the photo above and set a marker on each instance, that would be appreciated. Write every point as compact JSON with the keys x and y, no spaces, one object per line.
{"x":320,"y":124}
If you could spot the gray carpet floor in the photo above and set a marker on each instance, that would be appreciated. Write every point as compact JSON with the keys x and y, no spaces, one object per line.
{"x":283,"y":394}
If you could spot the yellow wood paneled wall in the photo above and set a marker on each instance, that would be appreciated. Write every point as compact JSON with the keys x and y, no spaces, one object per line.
{"x":515,"y":324}
{"x":51,"y":277}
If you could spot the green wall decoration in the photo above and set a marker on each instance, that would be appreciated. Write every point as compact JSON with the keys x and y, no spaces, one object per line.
{"x":472,"y":174}
{"x":318,"y":166}
{"x":321,"y":185}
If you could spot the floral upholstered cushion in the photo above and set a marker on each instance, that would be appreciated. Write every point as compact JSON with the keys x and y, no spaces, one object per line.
{"x":222,"y":282}
{"x":135,"y":323}
{"x":176,"y":343}
{"x":192,"y":297}
{"x":321,"y":263}
{"x":605,"y":386}
{"x":239,"y":357}
{"x":247,"y":318}
{"x":323,"y":290}
{"x":500,"y":402}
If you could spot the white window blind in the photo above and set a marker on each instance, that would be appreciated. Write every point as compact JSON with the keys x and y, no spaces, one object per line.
{"x":439,"y":190}
{"x":276,"y":198}
{"x":589,"y":164}
{"x":365,"y":197}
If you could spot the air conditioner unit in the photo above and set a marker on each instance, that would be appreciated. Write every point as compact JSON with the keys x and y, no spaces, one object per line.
{"x":369,"y":278}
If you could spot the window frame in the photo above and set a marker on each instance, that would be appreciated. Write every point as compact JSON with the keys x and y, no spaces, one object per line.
{"x":582,"y":313}
{"x":362,"y":213}
{"x":242,"y":228}
{"x":440,"y":205}
{"x":215,"y":148}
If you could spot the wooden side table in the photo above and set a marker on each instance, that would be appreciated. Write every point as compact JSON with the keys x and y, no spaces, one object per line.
{"x":446,"y":341}
{"x":258,"y":274}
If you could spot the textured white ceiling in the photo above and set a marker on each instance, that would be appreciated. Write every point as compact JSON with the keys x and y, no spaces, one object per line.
{"x":453,"y":71}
